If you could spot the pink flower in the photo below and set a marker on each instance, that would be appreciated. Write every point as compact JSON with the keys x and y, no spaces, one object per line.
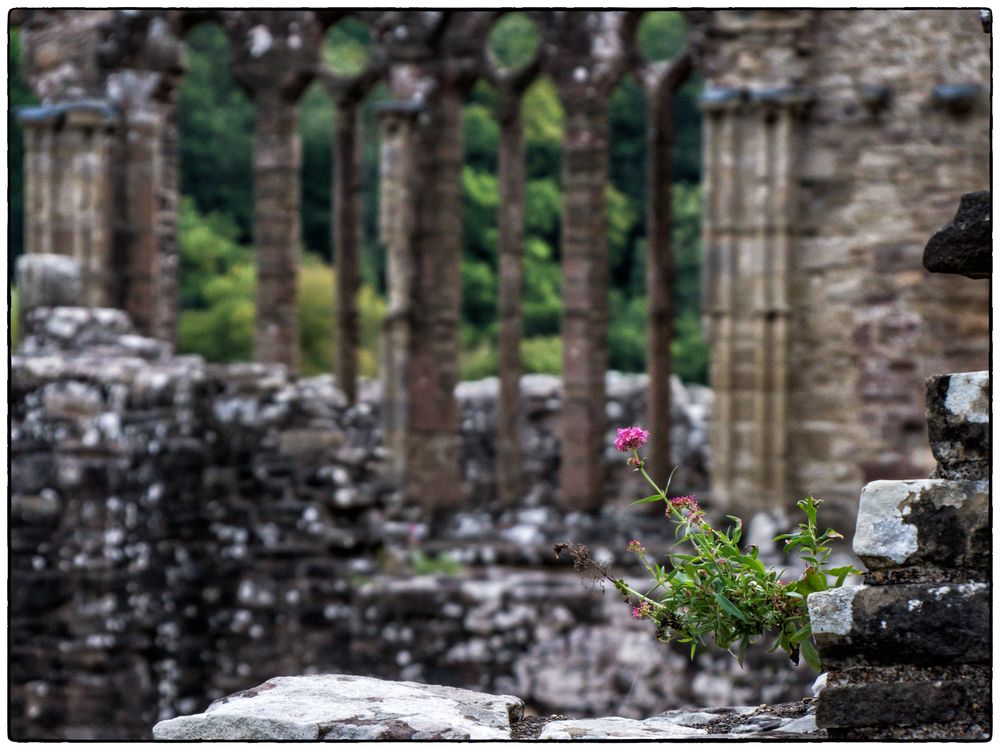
{"x":635,"y":545}
{"x":630,"y":438}
{"x":641,"y":611}
{"x":687,"y":505}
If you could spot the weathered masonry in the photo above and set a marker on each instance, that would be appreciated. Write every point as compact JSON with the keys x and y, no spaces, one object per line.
{"x":831,"y":149}
{"x":835,"y":143}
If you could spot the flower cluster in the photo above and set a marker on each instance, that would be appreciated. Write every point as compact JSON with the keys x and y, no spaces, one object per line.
{"x":635,"y":545}
{"x":688,"y":506}
{"x":641,"y":611}
{"x":630,"y":438}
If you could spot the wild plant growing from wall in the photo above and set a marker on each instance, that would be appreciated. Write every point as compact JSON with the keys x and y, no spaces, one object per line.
{"x":711,"y":586}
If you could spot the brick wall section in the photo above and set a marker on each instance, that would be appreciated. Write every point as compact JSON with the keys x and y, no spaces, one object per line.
{"x":868,"y":323}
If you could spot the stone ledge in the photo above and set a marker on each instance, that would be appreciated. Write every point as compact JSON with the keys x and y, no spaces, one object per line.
{"x":920,"y":623}
{"x":928,"y":523}
{"x":348,"y":707}
{"x":780,"y":722}
{"x":958,"y":424}
{"x":954,"y":699}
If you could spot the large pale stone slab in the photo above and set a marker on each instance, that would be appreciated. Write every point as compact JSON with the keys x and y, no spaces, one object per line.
{"x":348,"y":707}
{"x":928,"y":523}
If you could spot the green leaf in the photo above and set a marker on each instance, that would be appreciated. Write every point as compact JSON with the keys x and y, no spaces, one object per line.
{"x":812,"y":656}
{"x":650,"y":499}
{"x":742,"y":652}
{"x":729,"y":606}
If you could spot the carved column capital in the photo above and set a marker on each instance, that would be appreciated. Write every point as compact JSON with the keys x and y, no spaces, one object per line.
{"x":274,"y":54}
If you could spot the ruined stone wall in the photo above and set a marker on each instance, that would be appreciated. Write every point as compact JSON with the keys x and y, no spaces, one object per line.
{"x":182,"y":530}
{"x":870,"y":165}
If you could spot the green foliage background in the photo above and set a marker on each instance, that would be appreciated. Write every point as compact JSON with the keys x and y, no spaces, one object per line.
{"x":216,"y":121}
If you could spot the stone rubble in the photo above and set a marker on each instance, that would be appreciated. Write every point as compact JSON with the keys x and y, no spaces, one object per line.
{"x":347,"y":707}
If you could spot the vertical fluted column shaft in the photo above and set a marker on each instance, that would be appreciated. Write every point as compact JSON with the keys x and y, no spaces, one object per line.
{"x":68,"y":191}
{"x":276,"y":162}
{"x":347,"y":243}
{"x":585,"y":300}
{"x":395,"y":234}
{"x":510,"y":169}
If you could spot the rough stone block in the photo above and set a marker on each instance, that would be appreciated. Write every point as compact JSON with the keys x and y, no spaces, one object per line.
{"x":964,"y":244}
{"x":930,"y":524}
{"x":783,"y":721}
{"x":905,"y":697}
{"x":347,"y":707}
{"x":958,"y":424}
{"x":46,"y":280}
{"x":921,"y":623}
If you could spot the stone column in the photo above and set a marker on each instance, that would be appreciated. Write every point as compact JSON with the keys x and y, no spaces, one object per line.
{"x":751,"y":159}
{"x":432,"y":62}
{"x":277,"y":158}
{"x":348,"y":94}
{"x":510,"y":86}
{"x":142,"y":173}
{"x":347,"y":226}
{"x":141,"y":56}
{"x":660,"y":82}
{"x":421,"y":231}
{"x":780,"y":110}
{"x":274,"y":57}
{"x":585,"y":301}
{"x":68,"y":165}
{"x":396,"y":122}
{"x":589,"y":62}
{"x":510,"y":222}
{"x":432,"y":369}
{"x":721,"y":199}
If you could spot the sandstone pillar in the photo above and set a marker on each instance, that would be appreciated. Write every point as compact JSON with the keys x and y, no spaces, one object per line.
{"x":433,"y":59}
{"x":68,"y":190}
{"x":660,"y":82}
{"x":277,"y":158}
{"x":274,"y":57}
{"x":395,"y":234}
{"x":589,"y":63}
{"x":510,"y":221}
{"x":510,"y":86}
{"x":721,"y":138}
{"x":347,"y":226}
{"x":585,"y":301}
{"x":421,"y":229}
{"x":149,"y":192}
{"x":348,"y":94}
{"x":751,"y":148}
